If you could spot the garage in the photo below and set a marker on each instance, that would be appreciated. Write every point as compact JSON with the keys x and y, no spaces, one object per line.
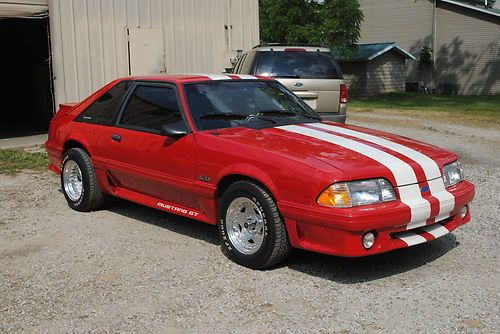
{"x":59,"y":51}
{"x":26,"y":90}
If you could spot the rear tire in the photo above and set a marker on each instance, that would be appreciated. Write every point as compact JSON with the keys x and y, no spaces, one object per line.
{"x":252,"y":231}
{"x":79,"y":183}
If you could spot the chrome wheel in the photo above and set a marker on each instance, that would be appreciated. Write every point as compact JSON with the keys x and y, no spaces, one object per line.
{"x":72,"y":180}
{"x":245,"y":225}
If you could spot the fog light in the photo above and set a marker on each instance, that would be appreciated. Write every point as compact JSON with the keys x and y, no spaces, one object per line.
{"x":463,"y":212}
{"x":368,"y":240}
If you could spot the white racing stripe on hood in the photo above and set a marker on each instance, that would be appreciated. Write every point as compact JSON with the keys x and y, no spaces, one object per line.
{"x":430,"y":167}
{"x":403,"y":173}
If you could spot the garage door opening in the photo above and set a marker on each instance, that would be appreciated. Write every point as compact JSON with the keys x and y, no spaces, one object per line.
{"x":26,"y":99}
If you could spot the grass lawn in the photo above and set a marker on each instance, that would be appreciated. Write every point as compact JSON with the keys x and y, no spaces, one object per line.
{"x":477,"y":106}
{"x":13,"y":161}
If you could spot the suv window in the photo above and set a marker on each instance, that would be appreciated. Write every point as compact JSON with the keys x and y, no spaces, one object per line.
{"x":297,"y":64}
{"x":104,"y":109}
{"x":150,"y":107}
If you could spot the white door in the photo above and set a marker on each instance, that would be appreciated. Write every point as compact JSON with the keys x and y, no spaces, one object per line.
{"x":146,"y":51}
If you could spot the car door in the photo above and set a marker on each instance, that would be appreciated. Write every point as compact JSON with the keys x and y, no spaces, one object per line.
{"x":140,"y":158}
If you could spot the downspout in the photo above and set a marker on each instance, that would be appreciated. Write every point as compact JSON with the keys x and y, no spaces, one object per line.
{"x":434,"y":43}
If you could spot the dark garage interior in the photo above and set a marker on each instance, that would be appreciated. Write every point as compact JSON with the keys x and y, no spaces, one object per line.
{"x":26,"y":93}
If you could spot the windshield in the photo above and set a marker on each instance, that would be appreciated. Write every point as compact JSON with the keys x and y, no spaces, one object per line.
{"x":300,"y":65}
{"x":223,"y":104}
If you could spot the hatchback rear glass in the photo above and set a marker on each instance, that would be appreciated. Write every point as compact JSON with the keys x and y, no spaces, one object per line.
{"x":300,"y":65}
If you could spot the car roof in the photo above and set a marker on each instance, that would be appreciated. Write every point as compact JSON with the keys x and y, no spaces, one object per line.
{"x":292,"y":47}
{"x":196,"y":77}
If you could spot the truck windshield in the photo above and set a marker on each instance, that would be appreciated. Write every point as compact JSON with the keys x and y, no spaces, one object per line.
{"x":223,"y":104}
{"x":300,"y":65}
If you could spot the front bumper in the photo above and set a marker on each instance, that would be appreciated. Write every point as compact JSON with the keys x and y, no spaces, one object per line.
{"x":340,"y":231}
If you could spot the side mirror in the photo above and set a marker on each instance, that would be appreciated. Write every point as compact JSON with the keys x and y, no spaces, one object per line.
{"x":174,"y":130}
{"x":233,"y":60}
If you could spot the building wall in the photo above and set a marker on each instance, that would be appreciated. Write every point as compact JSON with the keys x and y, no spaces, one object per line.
{"x":409,"y":23}
{"x":468,"y":50}
{"x":90,"y":43}
{"x":385,"y":74}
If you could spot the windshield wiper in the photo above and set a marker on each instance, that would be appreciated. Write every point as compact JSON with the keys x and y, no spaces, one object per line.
{"x":217,"y":115}
{"x":235,"y":116}
{"x":285,"y":113}
{"x":290,"y":76}
{"x":277,"y":112}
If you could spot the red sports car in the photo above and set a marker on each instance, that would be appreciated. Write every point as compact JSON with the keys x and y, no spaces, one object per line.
{"x":247,"y":155}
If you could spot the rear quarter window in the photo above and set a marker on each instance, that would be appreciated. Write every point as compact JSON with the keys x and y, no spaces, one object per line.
{"x":104,"y":109}
{"x":297,"y":64}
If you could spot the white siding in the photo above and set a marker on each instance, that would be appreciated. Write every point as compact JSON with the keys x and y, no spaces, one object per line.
{"x":21,"y":8}
{"x":467,"y":50}
{"x":90,"y":47}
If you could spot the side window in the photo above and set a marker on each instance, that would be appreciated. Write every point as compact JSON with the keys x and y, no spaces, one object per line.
{"x":103,"y":110}
{"x":150,"y":107}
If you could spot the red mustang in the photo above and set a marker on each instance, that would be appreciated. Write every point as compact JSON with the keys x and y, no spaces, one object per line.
{"x":246,"y":154}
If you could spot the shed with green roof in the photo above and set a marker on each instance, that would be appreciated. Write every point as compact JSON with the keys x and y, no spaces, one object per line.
{"x":375,"y":68}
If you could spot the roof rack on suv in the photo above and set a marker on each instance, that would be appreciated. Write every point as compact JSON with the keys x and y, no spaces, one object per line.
{"x":287,"y":44}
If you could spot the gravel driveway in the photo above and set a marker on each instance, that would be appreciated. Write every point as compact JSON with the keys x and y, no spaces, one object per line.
{"x":129,"y":268}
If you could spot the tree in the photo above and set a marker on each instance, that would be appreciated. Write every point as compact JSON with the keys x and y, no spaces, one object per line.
{"x":332,"y":23}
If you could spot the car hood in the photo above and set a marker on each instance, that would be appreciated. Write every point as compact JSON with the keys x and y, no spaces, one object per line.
{"x":360,"y":153}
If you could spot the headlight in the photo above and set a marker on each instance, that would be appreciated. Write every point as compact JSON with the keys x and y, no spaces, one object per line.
{"x":452,"y":174}
{"x":354,"y":193}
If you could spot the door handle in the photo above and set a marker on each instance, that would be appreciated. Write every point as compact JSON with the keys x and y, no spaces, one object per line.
{"x":116,"y":138}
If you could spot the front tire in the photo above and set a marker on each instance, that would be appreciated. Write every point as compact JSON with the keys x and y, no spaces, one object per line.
{"x":252,"y":231}
{"x":79,"y":182}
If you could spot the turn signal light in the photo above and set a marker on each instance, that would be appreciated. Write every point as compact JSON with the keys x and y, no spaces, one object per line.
{"x":336,"y":195}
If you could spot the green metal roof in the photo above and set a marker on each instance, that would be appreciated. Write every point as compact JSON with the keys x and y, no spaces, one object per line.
{"x":367,"y":52}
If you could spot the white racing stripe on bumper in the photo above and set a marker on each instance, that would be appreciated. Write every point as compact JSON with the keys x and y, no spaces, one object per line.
{"x":411,"y":239}
{"x":445,"y":198}
{"x":404,"y":174}
{"x":436,"y":230}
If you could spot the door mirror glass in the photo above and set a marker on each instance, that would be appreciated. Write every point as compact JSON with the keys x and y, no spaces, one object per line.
{"x":174,"y":130}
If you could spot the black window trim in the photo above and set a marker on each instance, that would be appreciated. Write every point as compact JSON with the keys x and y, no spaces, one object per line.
{"x":128,"y":96}
{"x":117,"y":111}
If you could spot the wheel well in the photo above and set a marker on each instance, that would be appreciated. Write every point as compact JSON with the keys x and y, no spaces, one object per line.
{"x":228,"y":180}
{"x":74,"y":144}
